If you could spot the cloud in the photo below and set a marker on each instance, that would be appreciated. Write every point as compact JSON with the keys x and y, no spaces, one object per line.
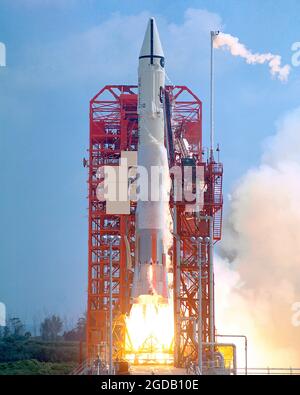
{"x":108,"y":52}
{"x":261,"y":250}
{"x":187,"y":44}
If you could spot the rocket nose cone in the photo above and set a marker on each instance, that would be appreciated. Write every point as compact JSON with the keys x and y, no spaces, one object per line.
{"x":151,"y":44}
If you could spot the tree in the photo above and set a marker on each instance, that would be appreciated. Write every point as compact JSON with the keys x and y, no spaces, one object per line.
{"x":6,"y":332}
{"x":17,"y":328}
{"x":51,"y":327}
{"x":81,"y":328}
{"x":77,"y":333}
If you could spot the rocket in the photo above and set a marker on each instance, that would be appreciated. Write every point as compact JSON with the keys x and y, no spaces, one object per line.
{"x":150,"y":272}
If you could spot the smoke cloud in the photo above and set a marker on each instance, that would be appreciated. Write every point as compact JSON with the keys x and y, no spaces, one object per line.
{"x":258,"y":273}
{"x":231,"y":43}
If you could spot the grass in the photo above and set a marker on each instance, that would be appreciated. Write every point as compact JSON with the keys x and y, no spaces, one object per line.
{"x":37,"y":357}
{"x":34,"y":367}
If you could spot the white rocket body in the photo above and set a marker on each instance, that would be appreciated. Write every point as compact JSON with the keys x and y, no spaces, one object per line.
{"x":150,"y":273}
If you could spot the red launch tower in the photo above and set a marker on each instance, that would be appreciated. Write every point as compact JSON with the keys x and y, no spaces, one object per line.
{"x":114,"y":128}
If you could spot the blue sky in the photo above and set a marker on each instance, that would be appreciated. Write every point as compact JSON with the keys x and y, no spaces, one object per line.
{"x":59,"y":54}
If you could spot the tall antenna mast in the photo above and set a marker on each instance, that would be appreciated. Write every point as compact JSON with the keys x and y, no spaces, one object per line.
{"x":212,"y":122}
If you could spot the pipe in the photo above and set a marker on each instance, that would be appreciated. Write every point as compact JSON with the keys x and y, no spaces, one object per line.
{"x":211,"y":94}
{"x":210,"y":218}
{"x":246,"y":348}
{"x":199,"y":305}
{"x":211,"y":282}
{"x":110,"y":310}
{"x":177,"y":289}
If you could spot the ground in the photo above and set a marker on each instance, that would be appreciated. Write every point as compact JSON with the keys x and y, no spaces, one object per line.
{"x":157,"y":370}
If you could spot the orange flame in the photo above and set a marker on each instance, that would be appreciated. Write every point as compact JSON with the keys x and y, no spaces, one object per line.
{"x":150,"y":331}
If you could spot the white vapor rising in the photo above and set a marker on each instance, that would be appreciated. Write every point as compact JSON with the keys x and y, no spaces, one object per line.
{"x":236,"y":48}
{"x":258,"y":276}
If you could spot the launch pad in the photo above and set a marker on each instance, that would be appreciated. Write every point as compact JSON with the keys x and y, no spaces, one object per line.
{"x":113,"y":129}
{"x":150,"y":265}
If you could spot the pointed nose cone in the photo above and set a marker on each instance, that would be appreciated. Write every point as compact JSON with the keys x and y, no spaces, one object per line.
{"x":151,"y":45}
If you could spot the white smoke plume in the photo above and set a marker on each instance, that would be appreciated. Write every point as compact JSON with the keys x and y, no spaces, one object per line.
{"x":236,"y":48}
{"x":258,"y":276}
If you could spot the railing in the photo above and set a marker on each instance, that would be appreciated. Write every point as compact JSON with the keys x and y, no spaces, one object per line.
{"x":91,"y":367}
{"x":270,"y":371}
{"x":80,"y":369}
{"x":208,"y":370}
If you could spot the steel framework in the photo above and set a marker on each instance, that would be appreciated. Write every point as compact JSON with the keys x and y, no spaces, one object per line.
{"x":188,"y":226}
{"x":113,"y":129}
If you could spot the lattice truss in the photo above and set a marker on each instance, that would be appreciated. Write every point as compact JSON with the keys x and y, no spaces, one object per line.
{"x":114,"y":128}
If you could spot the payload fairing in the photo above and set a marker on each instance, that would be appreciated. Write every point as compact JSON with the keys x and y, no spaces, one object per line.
{"x":150,"y":273}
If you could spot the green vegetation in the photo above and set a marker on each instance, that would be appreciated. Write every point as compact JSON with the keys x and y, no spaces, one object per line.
{"x":34,"y":367}
{"x":43,"y":351}
{"x":49,"y":354}
{"x":51,"y":327}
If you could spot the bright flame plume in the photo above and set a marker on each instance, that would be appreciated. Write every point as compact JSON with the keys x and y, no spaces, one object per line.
{"x":150,"y":331}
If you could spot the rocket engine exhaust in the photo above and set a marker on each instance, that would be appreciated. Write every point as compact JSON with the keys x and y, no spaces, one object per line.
{"x":150,"y":273}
